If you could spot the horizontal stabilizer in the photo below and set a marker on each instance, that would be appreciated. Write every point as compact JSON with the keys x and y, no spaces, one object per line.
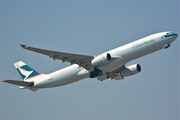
{"x":20,"y":83}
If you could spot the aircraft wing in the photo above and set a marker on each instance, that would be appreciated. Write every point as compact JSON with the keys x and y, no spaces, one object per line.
{"x":82,"y":60}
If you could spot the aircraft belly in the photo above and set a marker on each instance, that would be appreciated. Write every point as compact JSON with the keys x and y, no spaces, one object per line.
{"x":67,"y":78}
{"x":61,"y":79}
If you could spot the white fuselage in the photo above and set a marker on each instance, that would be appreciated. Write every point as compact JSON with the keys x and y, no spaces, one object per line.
{"x":124,"y":53}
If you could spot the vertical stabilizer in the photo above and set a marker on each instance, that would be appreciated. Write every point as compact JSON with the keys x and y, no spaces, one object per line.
{"x":25,"y":71}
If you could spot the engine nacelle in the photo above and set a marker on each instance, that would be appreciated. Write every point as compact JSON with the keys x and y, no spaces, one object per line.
{"x":101,"y":59}
{"x":103,"y":76}
{"x":131,"y":70}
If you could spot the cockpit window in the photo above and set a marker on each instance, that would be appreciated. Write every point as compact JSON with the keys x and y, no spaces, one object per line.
{"x":168,"y":33}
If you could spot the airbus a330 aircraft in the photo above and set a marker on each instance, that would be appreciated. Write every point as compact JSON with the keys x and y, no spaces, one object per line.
{"x":109,"y":65}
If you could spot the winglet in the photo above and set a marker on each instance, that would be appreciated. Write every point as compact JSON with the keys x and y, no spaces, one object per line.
{"x":23,"y":46}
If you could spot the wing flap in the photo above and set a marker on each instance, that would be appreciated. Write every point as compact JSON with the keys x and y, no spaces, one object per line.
{"x":116,"y":73}
{"x":20,"y":83}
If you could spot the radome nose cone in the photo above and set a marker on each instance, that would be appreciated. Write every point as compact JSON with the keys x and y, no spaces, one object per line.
{"x":175,"y":35}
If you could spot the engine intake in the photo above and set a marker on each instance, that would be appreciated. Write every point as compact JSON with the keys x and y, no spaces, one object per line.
{"x":101,"y":59}
{"x":95,"y":73}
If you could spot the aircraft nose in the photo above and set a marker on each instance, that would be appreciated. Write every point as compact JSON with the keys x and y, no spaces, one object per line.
{"x":176,"y":35}
{"x":172,"y":35}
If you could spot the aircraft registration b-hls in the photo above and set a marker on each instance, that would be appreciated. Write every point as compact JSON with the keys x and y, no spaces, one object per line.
{"x":109,"y":65}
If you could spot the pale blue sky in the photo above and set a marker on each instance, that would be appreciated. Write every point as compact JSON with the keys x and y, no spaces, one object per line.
{"x":89,"y":28}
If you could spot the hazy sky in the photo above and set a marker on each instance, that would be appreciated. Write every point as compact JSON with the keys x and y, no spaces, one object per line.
{"x":85,"y":27}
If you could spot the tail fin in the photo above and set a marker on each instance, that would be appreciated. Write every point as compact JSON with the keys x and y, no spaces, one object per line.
{"x":25,"y":71}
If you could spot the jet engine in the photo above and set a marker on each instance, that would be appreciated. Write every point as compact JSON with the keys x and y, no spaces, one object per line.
{"x":131,"y":70}
{"x":101,"y":59}
{"x":128,"y":71}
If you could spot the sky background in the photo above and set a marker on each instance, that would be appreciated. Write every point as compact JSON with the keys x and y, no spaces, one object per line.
{"x":90,"y":28}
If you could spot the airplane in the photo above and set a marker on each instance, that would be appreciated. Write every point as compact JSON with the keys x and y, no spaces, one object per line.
{"x":109,"y":65}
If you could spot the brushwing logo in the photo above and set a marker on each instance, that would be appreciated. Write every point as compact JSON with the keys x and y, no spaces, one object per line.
{"x":24,"y":73}
{"x":27,"y":72}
